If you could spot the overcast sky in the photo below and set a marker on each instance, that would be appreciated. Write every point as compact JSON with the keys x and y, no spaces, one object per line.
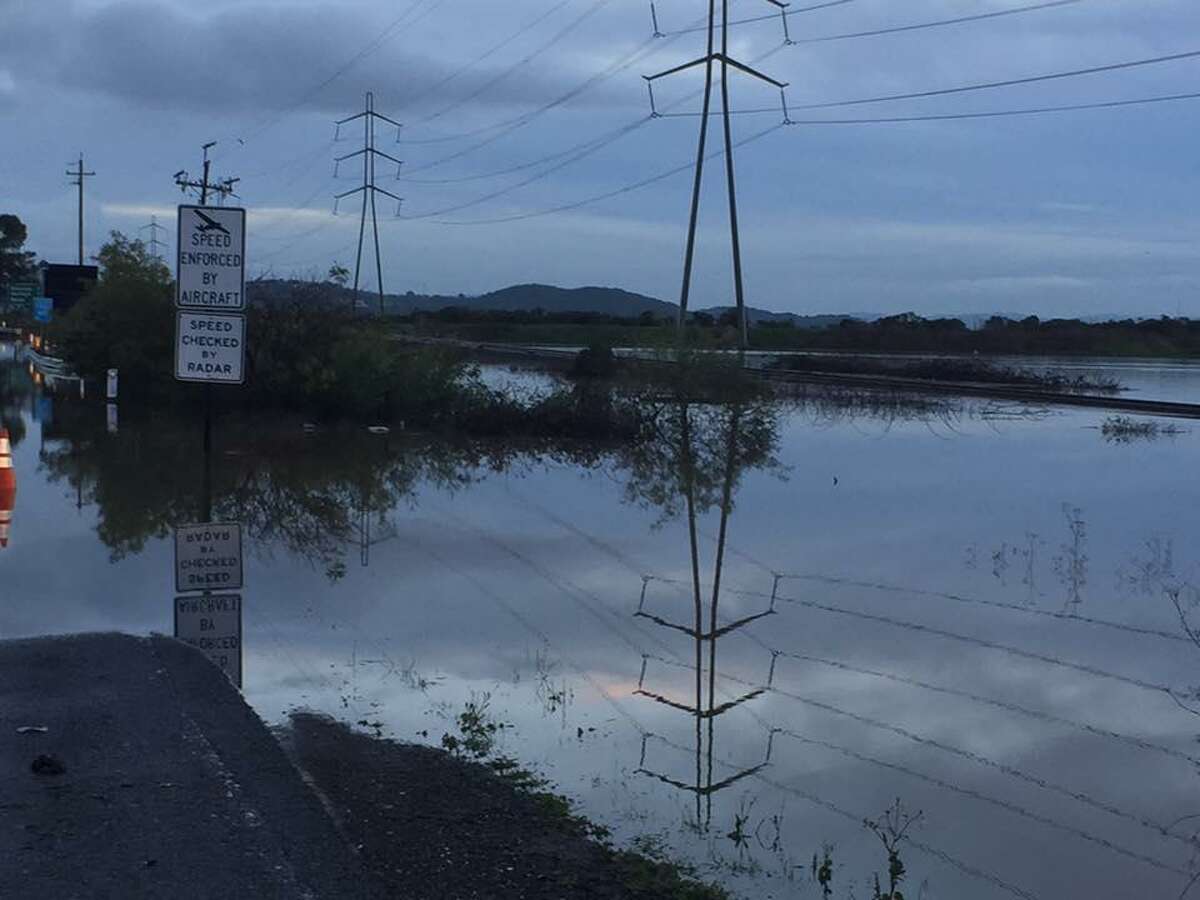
{"x":1069,"y":213}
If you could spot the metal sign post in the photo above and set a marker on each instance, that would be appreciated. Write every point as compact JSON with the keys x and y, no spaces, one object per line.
{"x":210,"y":348}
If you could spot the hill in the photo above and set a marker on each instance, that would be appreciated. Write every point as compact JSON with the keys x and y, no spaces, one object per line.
{"x":516,"y":298}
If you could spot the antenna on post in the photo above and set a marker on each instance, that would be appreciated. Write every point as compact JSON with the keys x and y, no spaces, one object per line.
{"x":713,"y":58}
{"x":368,"y":188}
{"x":205,"y":186}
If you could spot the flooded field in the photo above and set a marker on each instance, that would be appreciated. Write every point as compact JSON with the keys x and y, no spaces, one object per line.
{"x":733,"y":643}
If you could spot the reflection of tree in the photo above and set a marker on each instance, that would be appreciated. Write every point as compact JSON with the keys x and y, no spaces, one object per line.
{"x":300,"y":493}
{"x":15,"y":389}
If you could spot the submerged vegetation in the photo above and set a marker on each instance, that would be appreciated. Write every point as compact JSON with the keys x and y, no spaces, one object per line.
{"x":943,"y":369}
{"x":1126,"y":429}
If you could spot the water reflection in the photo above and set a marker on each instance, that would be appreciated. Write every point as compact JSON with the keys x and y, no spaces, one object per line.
{"x":804,"y":649}
{"x":709,"y":448}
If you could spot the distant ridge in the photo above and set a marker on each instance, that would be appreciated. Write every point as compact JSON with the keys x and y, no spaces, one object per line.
{"x":607,"y":300}
{"x":520,"y":298}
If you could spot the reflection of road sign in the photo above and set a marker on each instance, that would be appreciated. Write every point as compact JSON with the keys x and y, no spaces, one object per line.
{"x":210,"y":347}
{"x":211,"y":272}
{"x":208,"y":557}
{"x":212,"y":623}
{"x":43,"y":309}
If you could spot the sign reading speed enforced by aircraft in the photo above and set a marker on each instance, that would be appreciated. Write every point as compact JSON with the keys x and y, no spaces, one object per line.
{"x":212,"y":258}
{"x":210,"y":332}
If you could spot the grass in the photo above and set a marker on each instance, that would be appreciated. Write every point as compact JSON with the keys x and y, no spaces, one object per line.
{"x":644,"y":870}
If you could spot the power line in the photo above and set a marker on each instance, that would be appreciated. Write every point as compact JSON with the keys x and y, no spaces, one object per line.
{"x":940,"y":23}
{"x":502,"y":129}
{"x":889,"y":120}
{"x":638,"y":185}
{"x":570,"y":160}
{"x":976,"y":641}
{"x":998,"y":802}
{"x":980,"y":86}
{"x":693,"y":29}
{"x":595,"y":7}
{"x":899,"y":29}
{"x":1050,"y":718}
{"x":389,"y":31}
{"x":495,"y":48}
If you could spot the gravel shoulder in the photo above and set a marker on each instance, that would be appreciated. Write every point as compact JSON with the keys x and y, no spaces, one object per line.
{"x":432,"y":826}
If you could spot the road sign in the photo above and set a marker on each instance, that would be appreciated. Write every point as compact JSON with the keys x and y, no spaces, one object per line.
{"x":43,"y":309}
{"x":208,"y":557}
{"x":21,"y":294}
{"x":211,"y":269}
{"x":210,"y":347}
{"x":212,"y":623}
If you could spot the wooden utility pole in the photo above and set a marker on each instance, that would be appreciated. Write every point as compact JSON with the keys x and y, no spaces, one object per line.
{"x":80,"y":176}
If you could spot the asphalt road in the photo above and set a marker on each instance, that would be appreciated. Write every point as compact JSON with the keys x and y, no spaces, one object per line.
{"x":172,"y":787}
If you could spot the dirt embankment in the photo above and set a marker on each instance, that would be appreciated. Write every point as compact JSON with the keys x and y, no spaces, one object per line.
{"x":431,"y":826}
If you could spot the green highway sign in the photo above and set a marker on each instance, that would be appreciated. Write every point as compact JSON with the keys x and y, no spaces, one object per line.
{"x":20,"y":295}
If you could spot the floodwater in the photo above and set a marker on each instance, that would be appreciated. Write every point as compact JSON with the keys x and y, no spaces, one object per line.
{"x":982,"y":611}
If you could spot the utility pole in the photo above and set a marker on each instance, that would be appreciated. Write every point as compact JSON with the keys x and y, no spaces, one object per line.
{"x":205,"y":185}
{"x":222,"y":189}
{"x":154,"y":243}
{"x":714,"y":57}
{"x":368,"y":188}
{"x":80,"y":176}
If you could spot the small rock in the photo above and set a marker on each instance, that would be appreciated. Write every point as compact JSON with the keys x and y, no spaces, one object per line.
{"x":48,"y":765}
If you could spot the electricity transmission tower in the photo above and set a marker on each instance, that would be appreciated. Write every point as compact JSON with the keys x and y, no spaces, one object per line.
{"x":714,"y":58}
{"x":80,"y":176}
{"x":204,"y":186}
{"x":368,"y":188}
{"x":154,"y":243}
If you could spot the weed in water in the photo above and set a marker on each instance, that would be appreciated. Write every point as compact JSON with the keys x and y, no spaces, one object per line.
{"x":892,"y":830}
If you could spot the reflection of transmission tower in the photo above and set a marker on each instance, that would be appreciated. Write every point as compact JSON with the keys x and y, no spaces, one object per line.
{"x":368,"y":187}
{"x":722,"y":58}
{"x":704,"y":713}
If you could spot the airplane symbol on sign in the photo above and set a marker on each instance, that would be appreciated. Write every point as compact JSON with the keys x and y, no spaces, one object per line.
{"x":210,"y":224}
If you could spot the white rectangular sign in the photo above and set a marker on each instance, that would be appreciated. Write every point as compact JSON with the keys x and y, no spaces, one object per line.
{"x":210,"y":347}
{"x":211,"y":271}
{"x":208,"y":557}
{"x":212,"y":623}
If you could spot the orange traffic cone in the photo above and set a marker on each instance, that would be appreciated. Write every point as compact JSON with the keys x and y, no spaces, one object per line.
{"x":8,"y":487}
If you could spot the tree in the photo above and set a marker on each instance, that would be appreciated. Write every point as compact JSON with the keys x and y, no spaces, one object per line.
{"x":15,"y":263}
{"x":339,"y":274}
{"x":126,"y":322}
